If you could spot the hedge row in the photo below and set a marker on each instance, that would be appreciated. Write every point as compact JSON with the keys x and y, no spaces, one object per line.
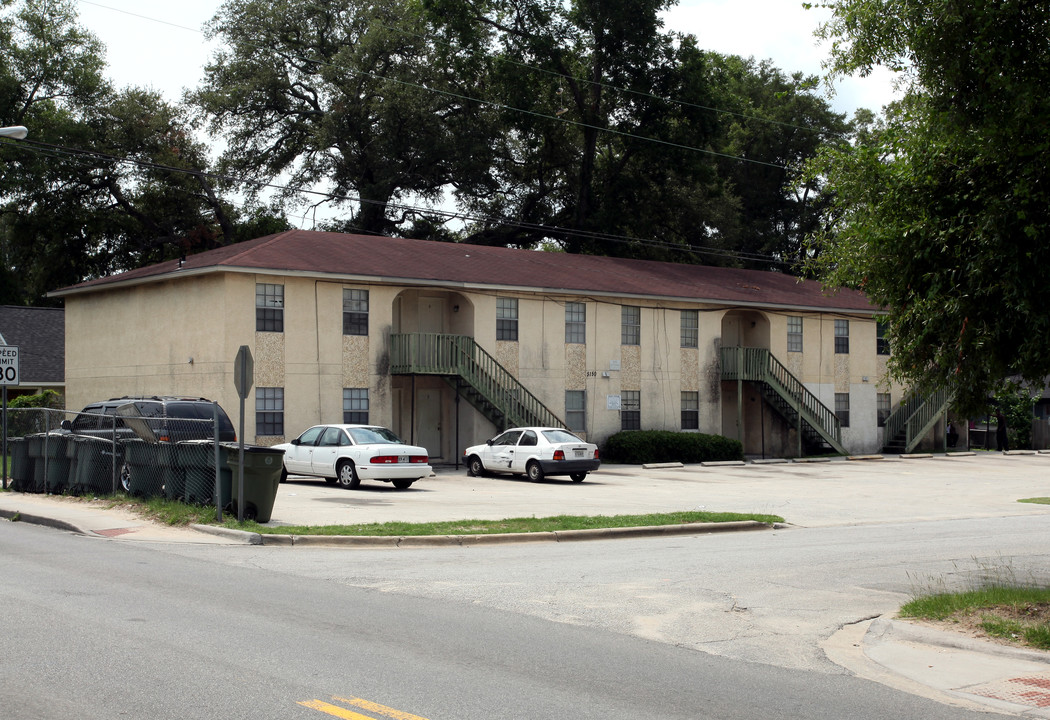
{"x":636,"y":447}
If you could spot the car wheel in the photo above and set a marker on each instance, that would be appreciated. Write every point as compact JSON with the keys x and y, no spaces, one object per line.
{"x":346,"y":474}
{"x":577,"y":477}
{"x":534,"y":471}
{"x":475,"y":468}
{"x":125,"y":477}
{"x":403,"y":484}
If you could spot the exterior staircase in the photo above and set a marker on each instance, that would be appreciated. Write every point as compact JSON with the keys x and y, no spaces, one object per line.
{"x":474,"y":374}
{"x":818,"y":426}
{"x":912,"y":420}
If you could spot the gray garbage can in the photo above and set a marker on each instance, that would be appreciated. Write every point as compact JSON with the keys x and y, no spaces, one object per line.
{"x":145,"y":465}
{"x":35,"y":482}
{"x":21,"y":463}
{"x":94,"y":465}
{"x":196,"y":461}
{"x":57,"y":474}
{"x":262,"y":476}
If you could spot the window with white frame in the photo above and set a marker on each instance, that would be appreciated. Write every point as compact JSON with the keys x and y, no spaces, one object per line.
{"x":842,"y":408}
{"x":355,"y":406}
{"x":630,"y":410}
{"x":794,"y":333}
{"x":269,"y":411}
{"x":575,"y":323}
{"x":355,"y":312}
{"x":507,"y":319}
{"x":882,"y":343}
{"x":690,"y":328}
{"x":630,"y":325}
{"x":575,"y":410}
{"x":690,"y":410}
{"x":882,"y":408}
{"x":269,"y":307}
{"x":842,"y":336}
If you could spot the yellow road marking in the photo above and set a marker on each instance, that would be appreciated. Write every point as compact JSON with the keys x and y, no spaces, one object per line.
{"x":339,"y":712}
{"x":381,"y":709}
{"x":334,"y":710}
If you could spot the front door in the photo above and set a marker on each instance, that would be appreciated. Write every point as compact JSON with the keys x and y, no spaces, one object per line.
{"x":431,"y":314}
{"x":428,"y":421}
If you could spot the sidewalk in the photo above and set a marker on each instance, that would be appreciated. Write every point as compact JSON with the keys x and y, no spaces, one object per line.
{"x":944,"y":666}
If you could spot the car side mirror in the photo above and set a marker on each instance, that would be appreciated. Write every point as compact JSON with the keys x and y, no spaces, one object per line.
{"x":66,"y":425}
{"x":489,"y":441}
{"x":295,"y":442}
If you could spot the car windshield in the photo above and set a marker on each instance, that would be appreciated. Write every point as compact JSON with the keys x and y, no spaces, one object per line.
{"x":373,"y":436}
{"x":560,"y":436}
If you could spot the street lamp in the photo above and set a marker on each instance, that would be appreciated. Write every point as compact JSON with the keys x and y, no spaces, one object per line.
{"x":17,"y":132}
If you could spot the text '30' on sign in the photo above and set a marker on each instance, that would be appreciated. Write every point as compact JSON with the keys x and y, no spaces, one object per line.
{"x":8,"y":364}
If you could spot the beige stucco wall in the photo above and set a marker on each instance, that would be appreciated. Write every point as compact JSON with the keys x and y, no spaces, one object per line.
{"x":138,"y":340}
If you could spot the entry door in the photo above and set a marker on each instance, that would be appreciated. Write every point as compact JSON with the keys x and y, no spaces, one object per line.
{"x":431,"y":314}
{"x":428,"y":421}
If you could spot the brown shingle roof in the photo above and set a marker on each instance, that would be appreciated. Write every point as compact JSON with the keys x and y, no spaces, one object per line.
{"x":413,"y":261}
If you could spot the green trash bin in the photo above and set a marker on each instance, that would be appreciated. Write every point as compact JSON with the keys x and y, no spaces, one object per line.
{"x":262,"y":476}
{"x":21,"y":465}
{"x":35,"y":482}
{"x":57,"y":474}
{"x":145,"y":468}
{"x":94,"y":465}
{"x":196,"y":459}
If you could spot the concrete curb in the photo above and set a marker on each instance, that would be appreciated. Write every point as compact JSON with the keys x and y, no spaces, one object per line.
{"x":18,"y":516}
{"x":400,"y":541}
{"x":248,"y":538}
{"x":885,"y":628}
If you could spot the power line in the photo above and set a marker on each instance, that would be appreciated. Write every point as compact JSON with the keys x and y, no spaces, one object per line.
{"x":53,"y":150}
{"x":498,"y":106}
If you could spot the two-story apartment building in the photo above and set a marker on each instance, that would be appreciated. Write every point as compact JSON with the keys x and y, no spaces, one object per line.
{"x":448,"y":343}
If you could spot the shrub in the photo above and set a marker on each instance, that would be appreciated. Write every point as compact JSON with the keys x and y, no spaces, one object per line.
{"x":636,"y":447}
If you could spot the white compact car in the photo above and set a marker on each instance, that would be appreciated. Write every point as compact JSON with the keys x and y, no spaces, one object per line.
{"x":535,"y":452}
{"x":348,"y":454}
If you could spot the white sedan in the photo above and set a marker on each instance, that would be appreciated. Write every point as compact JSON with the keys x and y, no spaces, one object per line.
{"x":348,"y":454}
{"x":535,"y":452}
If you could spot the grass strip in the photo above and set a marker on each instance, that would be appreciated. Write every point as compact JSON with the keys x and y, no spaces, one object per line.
{"x":1015,"y":613}
{"x":509,"y":525}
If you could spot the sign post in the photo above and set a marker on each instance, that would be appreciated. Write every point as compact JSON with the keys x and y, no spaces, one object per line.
{"x":243,"y":378}
{"x":8,"y":376}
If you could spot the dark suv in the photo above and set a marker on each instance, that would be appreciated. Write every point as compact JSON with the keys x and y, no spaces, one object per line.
{"x":167,"y":418}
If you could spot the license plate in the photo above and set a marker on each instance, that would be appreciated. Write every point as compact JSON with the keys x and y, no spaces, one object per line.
{"x":579,"y":452}
{"x":402,"y":458}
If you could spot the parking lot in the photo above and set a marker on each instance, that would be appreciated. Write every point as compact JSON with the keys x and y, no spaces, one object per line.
{"x":811,"y":494}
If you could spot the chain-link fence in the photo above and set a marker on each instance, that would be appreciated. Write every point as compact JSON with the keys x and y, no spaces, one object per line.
{"x":63,"y":452}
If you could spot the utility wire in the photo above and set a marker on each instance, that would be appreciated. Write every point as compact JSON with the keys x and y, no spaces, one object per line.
{"x":59,"y":151}
{"x":488,"y":103}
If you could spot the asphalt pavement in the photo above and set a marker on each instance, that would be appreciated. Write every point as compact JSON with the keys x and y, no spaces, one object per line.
{"x":946,"y":666}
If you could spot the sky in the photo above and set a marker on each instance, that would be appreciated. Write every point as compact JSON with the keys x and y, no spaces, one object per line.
{"x":160,"y":45}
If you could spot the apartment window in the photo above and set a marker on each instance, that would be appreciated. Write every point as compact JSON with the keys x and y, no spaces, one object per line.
{"x":575,"y":322}
{"x":794,"y":333}
{"x":630,"y":325}
{"x":882,"y":343}
{"x":630,"y":410}
{"x":269,"y":411}
{"x":507,"y":319}
{"x":842,"y":408}
{"x":690,"y":328}
{"x":355,"y":312}
{"x":882,"y":408}
{"x":355,"y":406}
{"x":691,"y":410}
{"x":575,"y":410}
{"x":842,"y":336}
{"x":269,"y":307}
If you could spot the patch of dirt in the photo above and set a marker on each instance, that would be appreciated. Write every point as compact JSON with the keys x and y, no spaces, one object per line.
{"x":969,"y":623}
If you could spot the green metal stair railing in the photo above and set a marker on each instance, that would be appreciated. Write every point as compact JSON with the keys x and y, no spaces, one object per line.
{"x":785,"y":393}
{"x":913,"y":419}
{"x":474,"y":374}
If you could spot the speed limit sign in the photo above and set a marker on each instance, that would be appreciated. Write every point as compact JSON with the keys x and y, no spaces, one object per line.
{"x":8,"y":365}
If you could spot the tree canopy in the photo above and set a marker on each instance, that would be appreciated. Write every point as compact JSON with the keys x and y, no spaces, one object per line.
{"x":942,"y":209}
